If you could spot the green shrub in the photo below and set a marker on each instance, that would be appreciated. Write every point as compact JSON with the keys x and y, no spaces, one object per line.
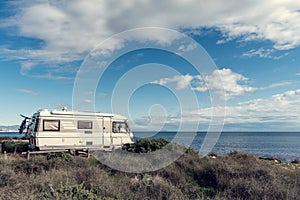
{"x":66,"y":191}
{"x":11,"y":147}
{"x":63,"y":155}
{"x":5,"y":138}
{"x":191,"y":151}
{"x":146,"y":145}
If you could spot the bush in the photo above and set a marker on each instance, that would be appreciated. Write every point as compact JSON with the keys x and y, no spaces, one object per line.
{"x":63,"y":155}
{"x":77,"y":191}
{"x":11,"y":147}
{"x":3,"y":138}
{"x":146,"y":145}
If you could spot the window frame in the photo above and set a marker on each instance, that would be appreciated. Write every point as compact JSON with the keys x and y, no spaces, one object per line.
{"x":51,"y":120}
{"x":117,"y":122}
{"x":84,"y":121}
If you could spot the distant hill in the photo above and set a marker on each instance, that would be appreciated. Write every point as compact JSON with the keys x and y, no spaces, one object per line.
{"x":13,"y":127}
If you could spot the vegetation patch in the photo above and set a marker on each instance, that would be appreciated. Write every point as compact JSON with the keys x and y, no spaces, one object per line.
{"x":233,"y":176}
{"x":65,"y":156}
{"x":14,"y":146}
{"x":146,"y":145}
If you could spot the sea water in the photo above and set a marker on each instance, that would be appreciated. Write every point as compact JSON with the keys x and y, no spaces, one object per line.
{"x":11,"y":134}
{"x":282,"y":145}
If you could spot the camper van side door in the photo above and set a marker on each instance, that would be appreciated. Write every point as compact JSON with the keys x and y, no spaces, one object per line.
{"x":107,"y":140}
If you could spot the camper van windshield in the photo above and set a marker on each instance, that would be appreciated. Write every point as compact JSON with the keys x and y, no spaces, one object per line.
{"x":120,"y":127}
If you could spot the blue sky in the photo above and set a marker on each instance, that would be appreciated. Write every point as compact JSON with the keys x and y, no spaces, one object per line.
{"x":254,"y":45}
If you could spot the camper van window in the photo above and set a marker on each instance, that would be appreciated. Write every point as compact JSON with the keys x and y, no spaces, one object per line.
{"x":120,"y":127}
{"x":51,"y":125}
{"x":85,"y":124}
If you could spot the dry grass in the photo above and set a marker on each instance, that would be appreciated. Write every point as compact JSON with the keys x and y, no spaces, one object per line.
{"x":233,"y":176}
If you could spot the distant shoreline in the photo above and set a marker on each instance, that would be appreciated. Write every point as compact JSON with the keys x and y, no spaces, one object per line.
{"x":10,"y":131}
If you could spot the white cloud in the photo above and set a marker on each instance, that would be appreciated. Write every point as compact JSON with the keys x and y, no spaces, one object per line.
{"x":88,"y":101}
{"x":75,"y":27}
{"x":274,"y":85}
{"x":188,"y":47}
{"x":233,"y":84}
{"x":26,"y":91}
{"x":182,"y":81}
{"x":275,"y":113}
{"x":31,"y":58}
{"x":263,"y":53}
{"x":221,"y":81}
{"x":277,"y":109}
{"x":51,"y":77}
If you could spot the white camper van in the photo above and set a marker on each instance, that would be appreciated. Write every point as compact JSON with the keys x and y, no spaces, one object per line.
{"x":49,"y":130}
